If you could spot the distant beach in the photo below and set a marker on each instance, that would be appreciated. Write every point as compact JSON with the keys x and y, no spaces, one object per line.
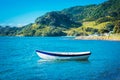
{"x":115,"y":37}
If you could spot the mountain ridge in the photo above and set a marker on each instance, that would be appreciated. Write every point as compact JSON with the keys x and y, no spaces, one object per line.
{"x":74,"y":21}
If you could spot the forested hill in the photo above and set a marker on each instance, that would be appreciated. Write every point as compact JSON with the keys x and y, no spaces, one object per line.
{"x":74,"y":21}
{"x":109,"y":8}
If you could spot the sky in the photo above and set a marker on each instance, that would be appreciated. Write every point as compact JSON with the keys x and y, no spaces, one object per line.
{"x":22,"y":12}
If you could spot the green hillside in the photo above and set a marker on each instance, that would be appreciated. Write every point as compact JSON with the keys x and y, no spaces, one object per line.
{"x":92,"y":12}
{"x":75,"y":21}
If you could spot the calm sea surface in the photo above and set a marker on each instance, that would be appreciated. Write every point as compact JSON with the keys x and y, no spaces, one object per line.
{"x":18,"y":60}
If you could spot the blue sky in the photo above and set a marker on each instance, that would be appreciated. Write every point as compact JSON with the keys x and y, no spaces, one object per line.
{"x":22,"y":12}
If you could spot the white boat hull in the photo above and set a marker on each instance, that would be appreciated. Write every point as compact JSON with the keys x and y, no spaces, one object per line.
{"x":82,"y":56}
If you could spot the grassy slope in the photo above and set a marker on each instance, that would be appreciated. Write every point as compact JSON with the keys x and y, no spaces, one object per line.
{"x":90,"y":24}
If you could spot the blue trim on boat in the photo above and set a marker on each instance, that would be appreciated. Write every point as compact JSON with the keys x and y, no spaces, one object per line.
{"x":62,"y":55}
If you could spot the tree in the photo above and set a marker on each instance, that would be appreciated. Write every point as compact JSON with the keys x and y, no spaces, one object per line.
{"x":109,"y":27}
{"x":117,"y":27}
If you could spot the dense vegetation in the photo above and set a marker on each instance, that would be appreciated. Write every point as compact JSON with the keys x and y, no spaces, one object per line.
{"x":74,"y":21}
{"x":9,"y":31}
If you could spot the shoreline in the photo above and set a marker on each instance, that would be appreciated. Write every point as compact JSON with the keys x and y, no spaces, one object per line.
{"x":111,"y":37}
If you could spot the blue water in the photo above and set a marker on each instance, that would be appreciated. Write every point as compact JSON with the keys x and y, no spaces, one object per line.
{"x":18,"y":60}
